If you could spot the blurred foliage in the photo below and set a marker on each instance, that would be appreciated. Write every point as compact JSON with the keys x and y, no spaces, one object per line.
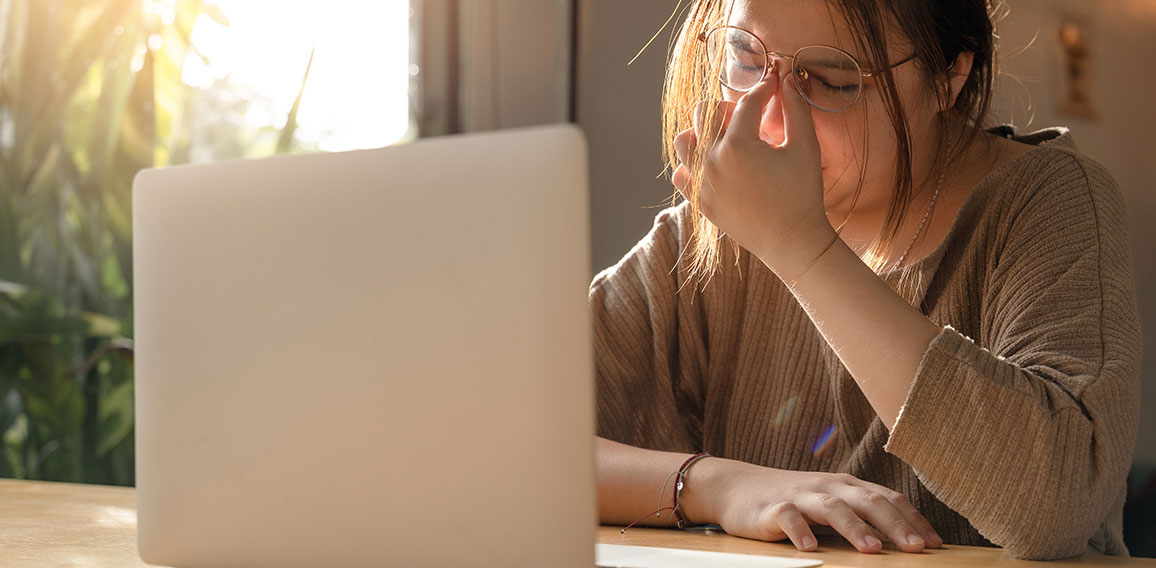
{"x":84,"y":105}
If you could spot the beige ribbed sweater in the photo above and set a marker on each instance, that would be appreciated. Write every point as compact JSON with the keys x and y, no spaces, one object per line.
{"x":1018,"y":429}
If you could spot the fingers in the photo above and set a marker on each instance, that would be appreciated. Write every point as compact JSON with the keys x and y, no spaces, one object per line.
{"x":747,"y":118}
{"x":837,"y":514}
{"x":862,"y":512}
{"x":909,"y":513}
{"x":681,"y":179}
{"x":684,"y":145}
{"x":876,"y":509}
{"x":711,"y":121}
{"x":798,"y":124}
{"x":790,"y":521}
{"x":917,"y":520}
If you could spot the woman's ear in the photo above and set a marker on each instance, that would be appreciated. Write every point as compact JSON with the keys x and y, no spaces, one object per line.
{"x":956,"y":77}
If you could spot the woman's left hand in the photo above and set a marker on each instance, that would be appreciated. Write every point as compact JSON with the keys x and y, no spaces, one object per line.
{"x":768,"y":198}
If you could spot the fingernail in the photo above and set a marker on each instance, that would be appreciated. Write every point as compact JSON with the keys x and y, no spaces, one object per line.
{"x":915,"y":540}
{"x":870,"y":541}
{"x":808,"y":542}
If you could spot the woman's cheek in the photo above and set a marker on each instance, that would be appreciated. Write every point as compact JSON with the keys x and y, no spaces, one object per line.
{"x":840,"y":148}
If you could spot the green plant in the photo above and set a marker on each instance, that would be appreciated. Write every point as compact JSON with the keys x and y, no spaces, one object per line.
{"x":84,"y":105}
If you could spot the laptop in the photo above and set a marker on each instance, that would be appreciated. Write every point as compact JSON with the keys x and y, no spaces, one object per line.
{"x":367,"y":358}
{"x":372,"y":358}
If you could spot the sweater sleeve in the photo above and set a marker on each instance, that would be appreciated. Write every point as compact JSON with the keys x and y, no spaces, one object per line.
{"x":647,"y":380}
{"x":1028,"y":430}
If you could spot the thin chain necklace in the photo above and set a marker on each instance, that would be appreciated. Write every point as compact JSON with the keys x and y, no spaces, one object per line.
{"x":926,"y":214}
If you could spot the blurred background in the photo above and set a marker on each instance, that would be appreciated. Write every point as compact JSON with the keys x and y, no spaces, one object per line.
{"x":92,"y":91}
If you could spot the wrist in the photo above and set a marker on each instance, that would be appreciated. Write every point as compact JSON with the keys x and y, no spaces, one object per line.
{"x":795,"y":251}
{"x":704,"y":486}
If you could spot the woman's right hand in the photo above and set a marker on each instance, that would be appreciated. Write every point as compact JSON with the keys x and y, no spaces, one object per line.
{"x":773,"y":504}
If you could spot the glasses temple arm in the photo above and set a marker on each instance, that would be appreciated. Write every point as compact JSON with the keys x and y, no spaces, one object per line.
{"x":892,"y":66}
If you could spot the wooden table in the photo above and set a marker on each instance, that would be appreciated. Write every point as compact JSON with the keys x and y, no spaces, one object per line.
{"x":64,"y":524}
{"x":836,"y":552}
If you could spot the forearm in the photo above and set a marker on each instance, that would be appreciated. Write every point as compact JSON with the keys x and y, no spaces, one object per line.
{"x":877,"y":335}
{"x":1060,"y":461}
{"x":630,"y":479}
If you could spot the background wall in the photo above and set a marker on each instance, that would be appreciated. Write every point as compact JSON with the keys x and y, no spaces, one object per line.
{"x":617,"y":105}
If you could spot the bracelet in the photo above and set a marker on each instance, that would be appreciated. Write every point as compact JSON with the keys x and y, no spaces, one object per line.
{"x":682,"y":521}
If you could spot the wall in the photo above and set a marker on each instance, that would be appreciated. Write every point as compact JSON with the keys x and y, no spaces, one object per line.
{"x":617,"y":105}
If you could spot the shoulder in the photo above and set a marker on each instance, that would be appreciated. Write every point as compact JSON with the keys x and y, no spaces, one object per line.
{"x":1054,"y":219}
{"x":1051,"y":163}
{"x":1052,"y":184}
{"x":656,"y":254}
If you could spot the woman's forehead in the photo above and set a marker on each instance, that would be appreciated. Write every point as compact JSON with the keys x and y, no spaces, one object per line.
{"x":787,"y":25}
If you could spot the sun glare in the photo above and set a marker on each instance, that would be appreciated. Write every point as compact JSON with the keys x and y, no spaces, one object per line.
{"x":357,"y":92}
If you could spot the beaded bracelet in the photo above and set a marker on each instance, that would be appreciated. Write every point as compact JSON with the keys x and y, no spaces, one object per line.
{"x":682,"y":521}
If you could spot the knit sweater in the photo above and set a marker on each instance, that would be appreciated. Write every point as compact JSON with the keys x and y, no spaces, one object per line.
{"x":1019,"y":426}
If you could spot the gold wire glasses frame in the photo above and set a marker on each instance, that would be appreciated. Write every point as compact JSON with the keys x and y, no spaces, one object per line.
{"x":829,"y":78}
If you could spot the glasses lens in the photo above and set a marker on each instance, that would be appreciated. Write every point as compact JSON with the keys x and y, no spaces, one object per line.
{"x":828,"y":78}
{"x":740,"y":57}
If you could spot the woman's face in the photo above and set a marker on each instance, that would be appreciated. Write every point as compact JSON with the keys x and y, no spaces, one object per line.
{"x":844,"y":137}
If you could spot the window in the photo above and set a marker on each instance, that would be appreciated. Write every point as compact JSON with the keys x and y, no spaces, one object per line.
{"x":346,"y":62}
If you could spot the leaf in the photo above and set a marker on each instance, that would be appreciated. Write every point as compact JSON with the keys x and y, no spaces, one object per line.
{"x":100,"y":325}
{"x":285,"y":140}
{"x":12,"y":289}
{"x":112,"y":279}
{"x":39,"y":328}
{"x":17,"y":432}
{"x":116,"y":86}
{"x":44,"y":173}
{"x":94,"y":40}
{"x":116,"y":417}
{"x":214,"y":11}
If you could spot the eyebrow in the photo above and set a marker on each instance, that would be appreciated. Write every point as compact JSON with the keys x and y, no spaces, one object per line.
{"x":744,"y":45}
{"x":841,"y":64}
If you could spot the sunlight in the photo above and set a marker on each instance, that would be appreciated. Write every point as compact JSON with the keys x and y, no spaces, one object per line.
{"x":357,"y":93}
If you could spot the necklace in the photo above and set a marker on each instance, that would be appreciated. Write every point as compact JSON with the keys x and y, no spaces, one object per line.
{"x":926,"y":214}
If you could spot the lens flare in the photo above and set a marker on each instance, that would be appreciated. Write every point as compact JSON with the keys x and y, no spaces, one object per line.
{"x":786,"y":410}
{"x":826,"y":440}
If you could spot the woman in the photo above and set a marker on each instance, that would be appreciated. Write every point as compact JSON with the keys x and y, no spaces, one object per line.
{"x":870,"y":312}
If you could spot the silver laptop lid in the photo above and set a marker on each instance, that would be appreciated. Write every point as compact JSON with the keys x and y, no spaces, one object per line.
{"x":368,"y":358}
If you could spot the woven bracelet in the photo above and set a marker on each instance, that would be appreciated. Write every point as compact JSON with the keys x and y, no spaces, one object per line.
{"x":683,"y":520}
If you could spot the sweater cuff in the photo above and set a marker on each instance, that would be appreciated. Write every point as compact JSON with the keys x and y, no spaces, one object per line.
{"x":933,"y":401}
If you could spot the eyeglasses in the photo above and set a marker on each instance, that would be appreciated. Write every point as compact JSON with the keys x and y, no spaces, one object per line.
{"x":827,"y":77}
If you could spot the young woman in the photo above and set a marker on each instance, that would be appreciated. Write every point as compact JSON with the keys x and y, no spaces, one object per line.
{"x":871,"y":312}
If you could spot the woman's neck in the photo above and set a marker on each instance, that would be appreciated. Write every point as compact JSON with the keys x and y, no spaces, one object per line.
{"x":862,"y":220}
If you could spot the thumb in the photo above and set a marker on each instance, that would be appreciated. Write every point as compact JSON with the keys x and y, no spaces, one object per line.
{"x":748,"y":115}
{"x":711,"y":120}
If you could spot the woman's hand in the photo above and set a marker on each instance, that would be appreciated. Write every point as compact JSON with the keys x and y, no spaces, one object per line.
{"x":773,"y":504}
{"x":768,"y":198}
